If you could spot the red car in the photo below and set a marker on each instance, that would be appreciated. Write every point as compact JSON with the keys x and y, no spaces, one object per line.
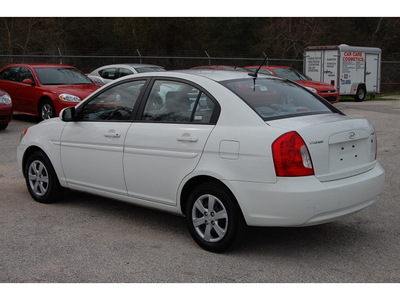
{"x":43,"y":90}
{"x":6,"y":110}
{"x":324,"y":90}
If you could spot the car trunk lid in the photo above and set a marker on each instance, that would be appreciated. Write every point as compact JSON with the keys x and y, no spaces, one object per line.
{"x":339,"y":146}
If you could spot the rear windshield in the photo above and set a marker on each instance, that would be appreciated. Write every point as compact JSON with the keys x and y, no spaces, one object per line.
{"x":277,"y":98}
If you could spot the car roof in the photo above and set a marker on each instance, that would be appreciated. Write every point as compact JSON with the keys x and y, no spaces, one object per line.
{"x":127,"y":65}
{"x":218,"y":75}
{"x":40,"y":65}
{"x":269,"y":67}
{"x":217,"y":67}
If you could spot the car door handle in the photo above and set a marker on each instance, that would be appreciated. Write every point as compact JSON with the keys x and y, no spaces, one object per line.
{"x":112,"y":133}
{"x":187,"y":138}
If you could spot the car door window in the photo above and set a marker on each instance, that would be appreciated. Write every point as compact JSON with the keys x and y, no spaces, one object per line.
{"x":109,"y":73}
{"x":25,"y":73}
{"x":114,"y":104}
{"x":123,"y":72}
{"x":171,"y":101}
{"x":10,"y":74}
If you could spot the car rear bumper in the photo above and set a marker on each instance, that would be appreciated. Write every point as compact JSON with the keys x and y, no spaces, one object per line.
{"x":305,"y":201}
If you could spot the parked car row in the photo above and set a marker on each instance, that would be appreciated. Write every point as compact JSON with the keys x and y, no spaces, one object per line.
{"x":43,"y":90}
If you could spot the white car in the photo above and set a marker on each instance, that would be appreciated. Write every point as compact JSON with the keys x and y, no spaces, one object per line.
{"x":108,"y":73}
{"x":223,"y":148}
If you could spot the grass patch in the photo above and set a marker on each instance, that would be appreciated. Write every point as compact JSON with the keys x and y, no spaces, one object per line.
{"x":378,"y":97}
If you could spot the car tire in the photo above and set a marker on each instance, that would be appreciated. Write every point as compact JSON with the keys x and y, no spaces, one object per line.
{"x":41,"y":179}
{"x":213,"y":228}
{"x":46,"y":110}
{"x":3,"y":126}
{"x":361,"y":93}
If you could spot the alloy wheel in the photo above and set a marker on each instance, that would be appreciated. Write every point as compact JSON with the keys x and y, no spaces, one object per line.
{"x":38,"y":178}
{"x":210,"y":218}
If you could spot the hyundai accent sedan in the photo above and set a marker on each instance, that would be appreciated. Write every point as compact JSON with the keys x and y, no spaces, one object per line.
{"x":224,"y":149}
{"x":43,"y":90}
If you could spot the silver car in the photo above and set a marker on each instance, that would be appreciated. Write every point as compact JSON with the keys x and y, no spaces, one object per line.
{"x":108,"y":73}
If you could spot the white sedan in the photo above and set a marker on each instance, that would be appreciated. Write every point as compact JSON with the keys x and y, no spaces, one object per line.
{"x":225,"y":149}
{"x":108,"y":73}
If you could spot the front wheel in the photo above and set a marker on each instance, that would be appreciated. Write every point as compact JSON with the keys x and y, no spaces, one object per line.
{"x":213,"y":218}
{"x":47,"y":110}
{"x":41,"y":179}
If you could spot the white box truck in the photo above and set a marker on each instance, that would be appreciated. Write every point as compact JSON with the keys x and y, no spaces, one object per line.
{"x":354,"y":71}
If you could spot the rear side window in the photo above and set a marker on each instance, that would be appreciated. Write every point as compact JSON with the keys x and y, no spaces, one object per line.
{"x":10,"y":74}
{"x":275,"y":98}
{"x":124,"y":72}
{"x":178,"y":102}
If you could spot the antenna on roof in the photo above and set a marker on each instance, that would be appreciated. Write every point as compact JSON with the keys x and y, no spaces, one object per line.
{"x":255,"y":73}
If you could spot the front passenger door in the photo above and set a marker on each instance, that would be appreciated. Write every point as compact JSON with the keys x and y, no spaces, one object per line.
{"x":92,"y":147}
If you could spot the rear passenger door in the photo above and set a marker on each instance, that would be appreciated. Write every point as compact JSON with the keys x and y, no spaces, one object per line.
{"x":167,"y":141}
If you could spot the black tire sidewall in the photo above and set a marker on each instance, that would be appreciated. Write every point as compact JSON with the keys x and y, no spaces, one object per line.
{"x":361,"y":88}
{"x":234,"y":217}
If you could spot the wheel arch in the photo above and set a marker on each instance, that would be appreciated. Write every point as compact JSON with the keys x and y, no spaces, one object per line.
{"x":41,"y":100}
{"x":28,"y":152}
{"x":196,"y":181}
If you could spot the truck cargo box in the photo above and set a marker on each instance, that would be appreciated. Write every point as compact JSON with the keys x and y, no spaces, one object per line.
{"x":354,"y":71}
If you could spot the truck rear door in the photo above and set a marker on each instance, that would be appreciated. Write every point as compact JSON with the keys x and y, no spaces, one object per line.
{"x":372,"y":73}
{"x":331,"y":67}
{"x":313,"y":64}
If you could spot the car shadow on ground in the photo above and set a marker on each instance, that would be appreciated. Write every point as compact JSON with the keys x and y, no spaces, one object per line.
{"x":285,"y":241}
{"x":26,"y":118}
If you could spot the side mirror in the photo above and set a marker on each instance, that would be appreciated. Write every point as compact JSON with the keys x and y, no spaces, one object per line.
{"x":28,"y":81}
{"x":68,"y":114}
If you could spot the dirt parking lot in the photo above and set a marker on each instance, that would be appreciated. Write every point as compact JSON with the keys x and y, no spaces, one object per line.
{"x":92,"y":239}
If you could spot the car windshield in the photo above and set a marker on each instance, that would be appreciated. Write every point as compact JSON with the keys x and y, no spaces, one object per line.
{"x":274,"y":98}
{"x":149,"y":69}
{"x":290,"y":74}
{"x":61,"y":76}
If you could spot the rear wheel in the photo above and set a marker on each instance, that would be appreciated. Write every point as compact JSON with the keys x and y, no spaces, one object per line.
{"x":41,"y":179}
{"x":47,"y":110}
{"x":213,"y":218}
{"x":361,"y":93}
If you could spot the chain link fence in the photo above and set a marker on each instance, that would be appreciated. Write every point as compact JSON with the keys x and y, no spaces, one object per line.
{"x":390,"y":70}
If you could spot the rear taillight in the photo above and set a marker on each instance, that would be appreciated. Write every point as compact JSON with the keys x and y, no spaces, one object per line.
{"x":291,"y":156}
